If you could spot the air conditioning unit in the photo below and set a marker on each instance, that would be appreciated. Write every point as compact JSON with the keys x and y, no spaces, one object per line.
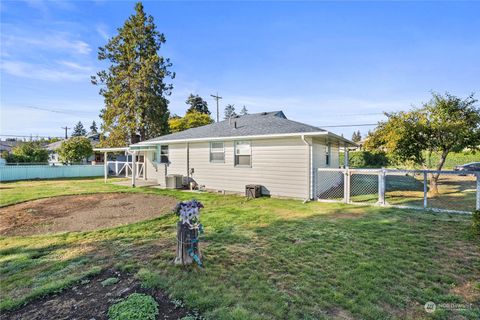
{"x":174,"y":181}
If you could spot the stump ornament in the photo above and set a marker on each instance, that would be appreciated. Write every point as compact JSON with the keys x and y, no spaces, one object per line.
{"x":188,"y":230}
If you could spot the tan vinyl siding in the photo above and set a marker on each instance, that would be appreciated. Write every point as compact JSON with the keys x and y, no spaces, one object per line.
{"x":281,"y":166}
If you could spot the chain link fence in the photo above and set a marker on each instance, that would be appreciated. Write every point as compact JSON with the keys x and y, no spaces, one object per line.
{"x":449,"y":191}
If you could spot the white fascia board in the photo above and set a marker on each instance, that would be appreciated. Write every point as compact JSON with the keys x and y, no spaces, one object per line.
{"x":110,"y":149}
{"x":265,"y":136}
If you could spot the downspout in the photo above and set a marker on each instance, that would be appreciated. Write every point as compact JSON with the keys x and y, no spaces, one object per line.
{"x":310,"y":168}
{"x":188,"y":164}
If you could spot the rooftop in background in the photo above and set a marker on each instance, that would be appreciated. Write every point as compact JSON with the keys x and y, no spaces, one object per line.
{"x":257,"y":124}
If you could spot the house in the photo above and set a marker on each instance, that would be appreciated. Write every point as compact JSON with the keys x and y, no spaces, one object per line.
{"x":263,"y":148}
{"x":54,"y":158}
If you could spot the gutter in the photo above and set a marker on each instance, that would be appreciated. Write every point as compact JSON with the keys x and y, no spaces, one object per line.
{"x":264,"y":136}
{"x":310,"y":168}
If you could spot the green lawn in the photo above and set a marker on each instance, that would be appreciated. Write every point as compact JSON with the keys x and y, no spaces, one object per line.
{"x":264,"y":258}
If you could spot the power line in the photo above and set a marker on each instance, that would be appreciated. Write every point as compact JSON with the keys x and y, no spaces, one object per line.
{"x":57,"y":111}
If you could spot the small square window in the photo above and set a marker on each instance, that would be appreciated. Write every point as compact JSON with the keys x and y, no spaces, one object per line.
{"x":217,"y":152}
{"x":243,"y":153}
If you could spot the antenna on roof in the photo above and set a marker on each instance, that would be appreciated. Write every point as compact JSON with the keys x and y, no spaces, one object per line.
{"x":217,"y":97}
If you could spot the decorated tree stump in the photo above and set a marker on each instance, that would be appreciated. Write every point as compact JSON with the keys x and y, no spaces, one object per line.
{"x":188,"y":230}
{"x":187,"y":245}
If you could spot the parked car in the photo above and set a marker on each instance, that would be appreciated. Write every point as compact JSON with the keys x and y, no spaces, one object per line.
{"x":473,"y":166}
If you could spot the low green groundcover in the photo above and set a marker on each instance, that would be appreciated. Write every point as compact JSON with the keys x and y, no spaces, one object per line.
{"x":136,"y":307}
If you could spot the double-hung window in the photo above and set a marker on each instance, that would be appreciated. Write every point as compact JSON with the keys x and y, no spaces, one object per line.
{"x":163,"y":154}
{"x":217,"y":152}
{"x":243,"y":153}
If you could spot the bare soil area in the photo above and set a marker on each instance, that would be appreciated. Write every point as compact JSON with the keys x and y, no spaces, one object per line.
{"x":81,"y":213}
{"x":91,"y":299}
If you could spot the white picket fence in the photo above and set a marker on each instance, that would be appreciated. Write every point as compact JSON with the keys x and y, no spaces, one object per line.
{"x":28,"y":172}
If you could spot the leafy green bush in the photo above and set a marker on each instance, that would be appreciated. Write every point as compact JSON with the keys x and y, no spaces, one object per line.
{"x":28,"y":152}
{"x":476,"y":222}
{"x":361,"y":159}
{"x":135,"y":307}
{"x":109,"y":281}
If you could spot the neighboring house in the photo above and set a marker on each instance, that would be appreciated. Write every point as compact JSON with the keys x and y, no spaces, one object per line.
{"x":54,"y":158}
{"x":8,"y":145}
{"x":264,"y":148}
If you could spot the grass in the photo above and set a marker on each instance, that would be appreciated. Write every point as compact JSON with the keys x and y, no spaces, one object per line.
{"x":264,"y":258}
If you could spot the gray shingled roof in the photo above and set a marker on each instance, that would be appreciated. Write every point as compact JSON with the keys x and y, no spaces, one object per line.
{"x":264,"y":123}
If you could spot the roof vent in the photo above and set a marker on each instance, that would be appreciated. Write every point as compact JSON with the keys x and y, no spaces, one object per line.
{"x":264,"y":113}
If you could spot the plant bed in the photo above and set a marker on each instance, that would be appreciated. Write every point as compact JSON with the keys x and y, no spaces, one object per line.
{"x":90,"y":299}
{"x":81,"y":213}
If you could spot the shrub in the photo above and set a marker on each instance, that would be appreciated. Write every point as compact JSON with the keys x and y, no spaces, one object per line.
{"x":75,"y":149}
{"x":368,"y":159}
{"x":135,"y":307}
{"x":476,"y":222}
{"x":31,"y":152}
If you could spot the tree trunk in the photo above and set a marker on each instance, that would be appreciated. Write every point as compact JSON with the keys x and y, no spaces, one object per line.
{"x":188,"y":249}
{"x":434,"y":178}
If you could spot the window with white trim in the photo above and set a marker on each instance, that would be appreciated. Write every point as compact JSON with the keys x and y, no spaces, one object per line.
{"x":328,"y":151}
{"x":243,"y":153}
{"x":217,"y":152}
{"x":163,"y":154}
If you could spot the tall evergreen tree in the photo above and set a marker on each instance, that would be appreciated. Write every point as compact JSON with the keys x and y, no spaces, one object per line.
{"x":244,"y":111}
{"x":134,"y":87}
{"x":229,"y":111}
{"x":356,"y":136}
{"x":93,"y":127}
{"x":79,"y":130}
{"x":197,"y":103}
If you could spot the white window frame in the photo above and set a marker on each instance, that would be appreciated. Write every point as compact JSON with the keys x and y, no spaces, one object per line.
{"x":162,"y":154}
{"x":328,"y":154}
{"x":235,"y":143}
{"x":212,"y":150}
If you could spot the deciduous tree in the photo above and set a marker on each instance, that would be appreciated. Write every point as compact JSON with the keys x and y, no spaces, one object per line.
{"x":28,"y":152}
{"x":191,"y":119}
{"x":75,"y":149}
{"x":444,"y":124}
{"x":134,"y":87}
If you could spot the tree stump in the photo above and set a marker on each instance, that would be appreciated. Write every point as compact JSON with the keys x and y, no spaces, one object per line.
{"x":187,"y":245}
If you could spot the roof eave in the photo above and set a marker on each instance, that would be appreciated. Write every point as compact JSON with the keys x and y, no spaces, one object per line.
{"x":280,"y":135}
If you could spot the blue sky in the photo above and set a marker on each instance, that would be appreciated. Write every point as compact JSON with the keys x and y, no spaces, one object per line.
{"x":324,"y":63}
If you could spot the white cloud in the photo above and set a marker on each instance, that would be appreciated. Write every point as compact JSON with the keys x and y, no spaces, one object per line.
{"x":102,"y":30}
{"x":46,"y":73}
{"x":53,"y":41}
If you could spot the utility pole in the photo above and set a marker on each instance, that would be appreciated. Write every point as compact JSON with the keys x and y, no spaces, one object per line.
{"x":66,"y":128}
{"x":217,"y":97}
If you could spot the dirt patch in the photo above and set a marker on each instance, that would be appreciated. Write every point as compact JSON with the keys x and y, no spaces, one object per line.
{"x":91,"y":299}
{"x":81,"y":213}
